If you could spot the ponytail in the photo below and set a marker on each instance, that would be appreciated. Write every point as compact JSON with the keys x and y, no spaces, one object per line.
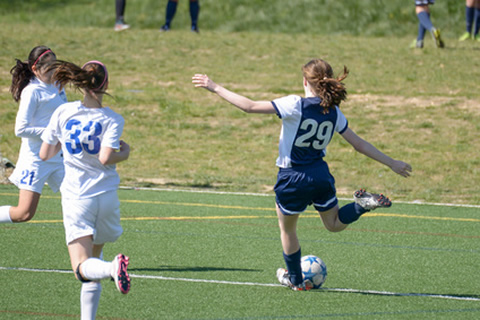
{"x":92,"y":77}
{"x":21,"y":76}
{"x":330,"y":89}
{"x":22,"y":72}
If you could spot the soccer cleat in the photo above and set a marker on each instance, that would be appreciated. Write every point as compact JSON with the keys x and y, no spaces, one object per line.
{"x":120,"y":274}
{"x":437,"y":38}
{"x":121,"y":26}
{"x":284,"y":279}
{"x":195,"y":29}
{"x":7,"y":163}
{"x":465,"y":36}
{"x":417,"y":44}
{"x":371,"y":201}
{"x":164,"y":28}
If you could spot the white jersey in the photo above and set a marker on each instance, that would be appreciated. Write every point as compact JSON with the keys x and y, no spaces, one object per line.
{"x":306,"y":130}
{"x":38,"y":101}
{"x":82,"y":132}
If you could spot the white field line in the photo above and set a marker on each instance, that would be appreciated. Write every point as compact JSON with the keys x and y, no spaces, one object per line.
{"x":373,"y":292}
{"x":416,"y":202}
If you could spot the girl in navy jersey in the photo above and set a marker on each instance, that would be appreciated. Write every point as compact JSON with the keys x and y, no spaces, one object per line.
{"x":39,"y":97}
{"x":89,"y":136}
{"x":308,"y":125}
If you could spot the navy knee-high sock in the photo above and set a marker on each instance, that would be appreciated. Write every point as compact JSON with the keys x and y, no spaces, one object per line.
{"x":421,"y":32}
{"x":171,"y":9}
{"x":119,"y":10}
{"x":477,"y":21}
{"x":424,"y":19}
{"x":469,"y":16}
{"x":294,"y":267}
{"x":194,"y":11}
{"x":350,"y":213}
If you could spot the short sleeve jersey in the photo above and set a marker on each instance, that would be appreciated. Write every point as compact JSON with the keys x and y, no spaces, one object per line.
{"x":82,"y":132}
{"x":306,"y":130}
{"x":38,"y":101}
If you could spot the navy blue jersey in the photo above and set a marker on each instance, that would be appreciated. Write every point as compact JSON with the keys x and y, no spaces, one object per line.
{"x":306,"y":130}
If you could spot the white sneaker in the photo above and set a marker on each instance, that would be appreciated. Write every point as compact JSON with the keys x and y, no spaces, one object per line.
{"x":120,"y":274}
{"x":284,"y":279}
{"x":121,"y":26}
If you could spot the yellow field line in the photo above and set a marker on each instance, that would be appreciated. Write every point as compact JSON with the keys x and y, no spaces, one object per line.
{"x":313,"y":213}
{"x":205,"y":205}
{"x":180,"y":218}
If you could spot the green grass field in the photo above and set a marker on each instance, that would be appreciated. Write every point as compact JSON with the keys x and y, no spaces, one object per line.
{"x":214,"y":256}
{"x":201,"y":255}
{"x":421,"y":106}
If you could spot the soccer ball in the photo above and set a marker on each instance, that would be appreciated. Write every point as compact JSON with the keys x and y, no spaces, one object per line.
{"x":314,"y":269}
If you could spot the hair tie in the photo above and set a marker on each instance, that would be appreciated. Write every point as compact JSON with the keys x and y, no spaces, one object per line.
{"x":44,"y":53}
{"x":104,"y":69}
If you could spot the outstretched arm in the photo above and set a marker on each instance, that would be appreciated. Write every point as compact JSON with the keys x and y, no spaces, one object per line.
{"x":370,"y":151}
{"x":241,"y":102}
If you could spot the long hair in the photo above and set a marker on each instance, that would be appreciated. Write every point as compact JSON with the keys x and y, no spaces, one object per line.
{"x":330,"y":89}
{"x":92,"y":77}
{"x":40,"y":57}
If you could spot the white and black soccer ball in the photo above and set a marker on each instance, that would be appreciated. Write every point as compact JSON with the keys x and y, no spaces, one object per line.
{"x":314,"y":269}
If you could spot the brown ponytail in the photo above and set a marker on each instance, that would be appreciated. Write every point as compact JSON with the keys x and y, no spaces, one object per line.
{"x":22,"y":72}
{"x":331,"y":90}
{"x":91,"y":77}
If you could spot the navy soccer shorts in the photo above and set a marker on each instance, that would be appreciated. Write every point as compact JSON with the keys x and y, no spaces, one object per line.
{"x":298,"y":187}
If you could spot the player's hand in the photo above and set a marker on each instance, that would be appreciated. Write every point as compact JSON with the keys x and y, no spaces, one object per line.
{"x":124,"y":148}
{"x":203,"y":81}
{"x":401,"y":168}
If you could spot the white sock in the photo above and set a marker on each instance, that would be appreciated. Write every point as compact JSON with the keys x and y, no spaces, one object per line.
{"x":5,"y":214}
{"x":95,"y":269}
{"x":89,"y":299}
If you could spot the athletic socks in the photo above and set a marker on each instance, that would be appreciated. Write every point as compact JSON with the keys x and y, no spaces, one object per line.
{"x":477,"y":21}
{"x":350,"y":213}
{"x":120,"y":10}
{"x":425,"y":22}
{"x":421,"y":32}
{"x":89,"y":299}
{"x":96,"y":269}
{"x":171,"y":9}
{"x":294,"y":267}
{"x":194,"y":11}
{"x":5,"y":214}
{"x":469,"y":16}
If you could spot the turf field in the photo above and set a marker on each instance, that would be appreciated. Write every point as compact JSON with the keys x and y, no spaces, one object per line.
{"x":204,"y":255}
{"x":197,"y":255}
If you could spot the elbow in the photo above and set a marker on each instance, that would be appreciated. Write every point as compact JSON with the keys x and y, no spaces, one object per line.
{"x":249,"y":108}
{"x":103,"y":160}
{"x":43,"y":155}
{"x":361,"y":147}
{"x":19,"y":132}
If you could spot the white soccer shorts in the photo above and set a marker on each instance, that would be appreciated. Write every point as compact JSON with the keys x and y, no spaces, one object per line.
{"x":98,"y":216}
{"x":32,"y":176}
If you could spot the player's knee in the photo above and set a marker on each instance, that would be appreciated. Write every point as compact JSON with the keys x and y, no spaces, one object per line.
{"x":79,"y":275}
{"x":333,"y":228}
